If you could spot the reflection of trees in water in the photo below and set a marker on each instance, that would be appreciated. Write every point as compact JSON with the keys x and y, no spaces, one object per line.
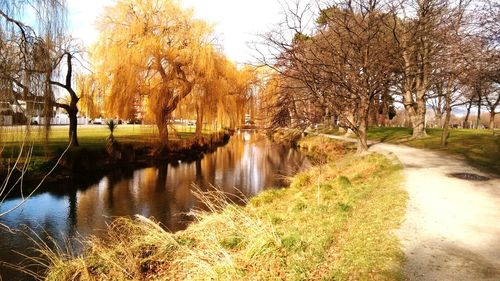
{"x":164,"y":192}
{"x":72,"y":212}
{"x":248,"y":165}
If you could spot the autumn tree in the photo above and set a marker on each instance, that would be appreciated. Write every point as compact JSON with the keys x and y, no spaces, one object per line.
{"x":236,"y":102}
{"x":208,"y":91}
{"x":152,"y":50}
{"x":222,"y":98}
{"x":91,"y":93}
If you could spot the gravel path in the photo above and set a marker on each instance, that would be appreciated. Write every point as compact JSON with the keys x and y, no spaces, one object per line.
{"x":452,"y":225}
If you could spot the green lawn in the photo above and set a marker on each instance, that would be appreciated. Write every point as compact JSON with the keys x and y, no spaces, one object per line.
{"x":481,"y":148}
{"x":92,"y":138}
{"x":89,"y":136}
{"x":85,"y":133}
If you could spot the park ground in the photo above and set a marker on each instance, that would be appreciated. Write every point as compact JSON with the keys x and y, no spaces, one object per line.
{"x":89,"y":136}
{"x":479,"y":148}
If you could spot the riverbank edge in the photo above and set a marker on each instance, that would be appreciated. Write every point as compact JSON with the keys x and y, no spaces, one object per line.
{"x":479,"y":148}
{"x":80,"y":167}
{"x":280,"y":234}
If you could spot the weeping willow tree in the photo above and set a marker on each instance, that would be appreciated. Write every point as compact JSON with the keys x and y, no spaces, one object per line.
{"x":241,"y":92}
{"x":153,"y":51}
{"x":27,"y":55}
{"x":91,"y":95}
{"x":30,"y":31}
{"x":220,"y":97}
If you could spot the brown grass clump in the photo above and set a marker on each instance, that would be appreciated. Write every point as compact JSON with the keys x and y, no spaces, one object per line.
{"x":324,"y":149}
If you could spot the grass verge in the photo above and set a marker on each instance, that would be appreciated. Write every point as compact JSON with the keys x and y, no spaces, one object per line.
{"x":334,"y":222}
{"x":91,"y":137}
{"x":480,"y":148}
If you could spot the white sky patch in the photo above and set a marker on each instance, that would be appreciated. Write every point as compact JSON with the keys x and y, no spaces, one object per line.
{"x":237,"y":22}
{"x":82,"y":17}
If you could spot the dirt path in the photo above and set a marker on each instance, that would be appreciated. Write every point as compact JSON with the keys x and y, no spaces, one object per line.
{"x":452,"y":226}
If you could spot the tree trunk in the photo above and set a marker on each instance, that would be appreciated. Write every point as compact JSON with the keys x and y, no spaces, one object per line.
{"x":447,"y":108}
{"x":162,"y":125}
{"x":439,"y":119}
{"x":373,"y":112}
{"x":73,"y":124}
{"x":492,"y":119}
{"x":349,"y":123}
{"x":384,"y":107}
{"x":72,"y":107}
{"x":418,"y":122}
{"x":362,"y":137}
{"x":362,"y":129}
{"x":466,"y":120}
{"x":478,"y":121}
{"x":416,"y":113}
{"x":383,"y":113}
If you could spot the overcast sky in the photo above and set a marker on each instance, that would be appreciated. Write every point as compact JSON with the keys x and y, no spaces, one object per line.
{"x":237,"y":21}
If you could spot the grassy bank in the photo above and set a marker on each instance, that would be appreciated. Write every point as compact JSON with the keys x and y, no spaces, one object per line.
{"x":134,"y":146}
{"x":89,"y":136}
{"x":334,"y":222}
{"x":480,"y":148}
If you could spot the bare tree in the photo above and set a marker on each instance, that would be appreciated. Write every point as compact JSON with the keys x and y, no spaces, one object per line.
{"x":342,"y":65}
{"x":417,"y":34}
{"x":24,"y":62}
{"x":71,"y":107}
{"x":452,"y":60}
{"x":481,"y":77}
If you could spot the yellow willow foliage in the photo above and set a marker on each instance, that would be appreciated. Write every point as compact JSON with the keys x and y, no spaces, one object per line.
{"x":269,"y":93}
{"x":153,"y":51}
{"x":220,"y":97}
{"x":90,"y":94}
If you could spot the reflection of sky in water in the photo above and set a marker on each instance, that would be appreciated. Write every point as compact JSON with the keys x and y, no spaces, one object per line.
{"x":43,"y":214}
{"x":248,"y":162}
{"x":40,"y":210}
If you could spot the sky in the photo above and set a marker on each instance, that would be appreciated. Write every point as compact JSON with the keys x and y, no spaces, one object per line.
{"x":237,"y":22}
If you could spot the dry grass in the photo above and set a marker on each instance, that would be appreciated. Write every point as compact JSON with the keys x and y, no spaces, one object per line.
{"x":322,"y":149}
{"x":286,"y":136}
{"x":334,"y":222}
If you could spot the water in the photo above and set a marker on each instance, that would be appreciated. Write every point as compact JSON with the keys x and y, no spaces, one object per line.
{"x":248,"y":164}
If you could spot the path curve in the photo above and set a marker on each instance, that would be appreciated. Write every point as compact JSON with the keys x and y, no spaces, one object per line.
{"x":452,"y":226}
